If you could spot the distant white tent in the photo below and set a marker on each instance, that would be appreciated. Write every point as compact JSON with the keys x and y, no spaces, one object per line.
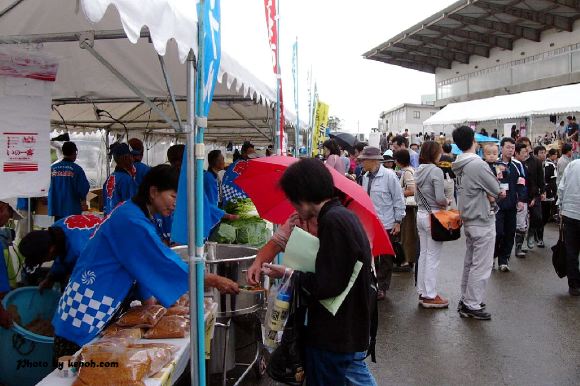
{"x":551,"y":101}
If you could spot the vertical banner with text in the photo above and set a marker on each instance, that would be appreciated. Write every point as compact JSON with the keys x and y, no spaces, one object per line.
{"x":205,"y":87}
{"x":319,"y":129}
{"x":26,"y":80}
{"x":272,"y":24}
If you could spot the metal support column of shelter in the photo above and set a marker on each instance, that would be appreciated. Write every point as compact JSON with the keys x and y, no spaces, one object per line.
{"x":191,"y":219}
{"x":170,"y":90}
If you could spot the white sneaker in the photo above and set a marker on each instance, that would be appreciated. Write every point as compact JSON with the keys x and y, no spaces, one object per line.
{"x":504,"y":268}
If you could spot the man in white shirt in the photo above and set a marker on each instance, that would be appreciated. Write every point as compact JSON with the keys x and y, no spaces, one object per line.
{"x":569,"y":203}
{"x":384,"y":188}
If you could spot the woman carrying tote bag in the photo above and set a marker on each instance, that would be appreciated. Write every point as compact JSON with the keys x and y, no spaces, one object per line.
{"x":429,"y":184}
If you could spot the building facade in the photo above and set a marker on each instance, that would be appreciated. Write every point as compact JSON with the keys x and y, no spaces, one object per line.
{"x":406,"y":116}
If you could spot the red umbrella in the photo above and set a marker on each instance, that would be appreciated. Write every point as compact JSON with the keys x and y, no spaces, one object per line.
{"x":259,"y":179}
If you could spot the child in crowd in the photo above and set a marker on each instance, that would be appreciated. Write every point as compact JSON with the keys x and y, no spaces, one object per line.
{"x":491,"y":155}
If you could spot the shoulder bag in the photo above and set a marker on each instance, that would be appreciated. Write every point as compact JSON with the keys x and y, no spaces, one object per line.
{"x":445,"y":224}
{"x":559,"y":254}
{"x":409,"y":200}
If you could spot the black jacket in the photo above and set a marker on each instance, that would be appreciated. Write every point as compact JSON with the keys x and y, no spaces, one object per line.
{"x":535,"y":180}
{"x":509,"y":175}
{"x":343,"y":241}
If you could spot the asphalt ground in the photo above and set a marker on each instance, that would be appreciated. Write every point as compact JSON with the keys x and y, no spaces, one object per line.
{"x":532,"y":339}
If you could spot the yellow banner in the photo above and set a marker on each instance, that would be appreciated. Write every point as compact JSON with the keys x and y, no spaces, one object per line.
{"x":319,"y":129}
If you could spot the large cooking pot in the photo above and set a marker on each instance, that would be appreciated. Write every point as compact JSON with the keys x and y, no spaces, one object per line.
{"x":231,"y":261}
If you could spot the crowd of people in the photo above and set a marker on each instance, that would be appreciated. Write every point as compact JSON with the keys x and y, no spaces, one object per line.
{"x":505,"y":193}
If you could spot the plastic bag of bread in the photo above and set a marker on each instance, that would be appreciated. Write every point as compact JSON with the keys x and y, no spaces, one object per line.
{"x":183,"y":300}
{"x":127,"y":367}
{"x":135,"y":333}
{"x":171,"y":347}
{"x":108,"y":344}
{"x":178,"y":310}
{"x":142,"y":316}
{"x":173,"y":326}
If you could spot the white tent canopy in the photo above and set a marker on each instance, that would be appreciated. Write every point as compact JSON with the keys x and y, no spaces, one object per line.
{"x":551,"y":101}
{"x":243,"y":102}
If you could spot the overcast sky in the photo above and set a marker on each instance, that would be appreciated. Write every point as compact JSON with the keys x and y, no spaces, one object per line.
{"x":332,"y":36}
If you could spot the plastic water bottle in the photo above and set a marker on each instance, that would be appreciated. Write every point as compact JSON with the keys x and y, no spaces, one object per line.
{"x":280,"y":311}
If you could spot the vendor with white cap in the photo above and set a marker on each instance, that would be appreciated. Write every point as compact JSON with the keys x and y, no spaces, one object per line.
{"x":7,"y":211}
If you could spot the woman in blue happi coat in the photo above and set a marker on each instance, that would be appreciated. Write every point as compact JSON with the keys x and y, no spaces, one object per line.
{"x":125,"y":259}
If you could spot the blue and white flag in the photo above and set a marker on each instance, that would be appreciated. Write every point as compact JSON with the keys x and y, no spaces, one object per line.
{"x":231,"y":191}
{"x":205,"y":88}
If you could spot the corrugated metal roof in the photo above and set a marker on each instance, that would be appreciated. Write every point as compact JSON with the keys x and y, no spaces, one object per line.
{"x":474,"y":27}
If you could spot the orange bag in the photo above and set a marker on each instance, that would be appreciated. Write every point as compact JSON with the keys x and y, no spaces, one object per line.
{"x":142,"y":316}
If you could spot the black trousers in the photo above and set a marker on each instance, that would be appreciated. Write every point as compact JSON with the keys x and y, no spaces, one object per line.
{"x":547,"y":215}
{"x":505,"y":232}
{"x":572,"y":242}
{"x":536,"y":221}
{"x":384,"y":265}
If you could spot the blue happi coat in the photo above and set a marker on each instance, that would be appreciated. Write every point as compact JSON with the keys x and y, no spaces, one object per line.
{"x":119,"y":187}
{"x":68,"y":186}
{"x":77,"y":230}
{"x":125,"y":250}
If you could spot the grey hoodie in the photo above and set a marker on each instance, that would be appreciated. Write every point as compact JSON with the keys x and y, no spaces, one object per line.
{"x":474,"y":182}
{"x":429,"y":180}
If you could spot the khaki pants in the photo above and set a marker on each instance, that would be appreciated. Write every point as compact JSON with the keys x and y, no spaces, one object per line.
{"x":409,"y":234}
{"x":480,"y":241}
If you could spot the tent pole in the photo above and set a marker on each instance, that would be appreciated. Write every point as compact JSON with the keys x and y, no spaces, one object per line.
{"x":86,"y":44}
{"x":191,"y":219}
{"x":248,"y":121}
{"x":170,"y":90}
{"x":61,"y":37}
{"x":108,"y":157}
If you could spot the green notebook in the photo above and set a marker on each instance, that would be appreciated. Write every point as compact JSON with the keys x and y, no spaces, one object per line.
{"x":300,"y":254}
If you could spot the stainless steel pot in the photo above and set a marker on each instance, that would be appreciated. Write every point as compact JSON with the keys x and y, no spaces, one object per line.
{"x":231,"y":261}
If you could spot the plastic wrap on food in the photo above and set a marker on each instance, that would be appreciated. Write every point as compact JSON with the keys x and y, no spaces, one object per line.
{"x":142,"y":316}
{"x":171,"y":347}
{"x":132,"y":332}
{"x":112,"y":368}
{"x":183,"y":300}
{"x":173,"y":326}
{"x":178,"y":310}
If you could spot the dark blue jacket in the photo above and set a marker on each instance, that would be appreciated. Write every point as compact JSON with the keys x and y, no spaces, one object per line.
{"x":140,"y":170}
{"x":68,"y":186}
{"x":119,"y":187}
{"x":509,"y":176}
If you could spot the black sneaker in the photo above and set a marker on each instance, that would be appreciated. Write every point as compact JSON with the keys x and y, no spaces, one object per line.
{"x":574,"y":291}
{"x":482,"y":305}
{"x":541,"y":244}
{"x":465,"y":312}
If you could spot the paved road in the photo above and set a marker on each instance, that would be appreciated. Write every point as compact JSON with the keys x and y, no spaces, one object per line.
{"x":532,"y":339}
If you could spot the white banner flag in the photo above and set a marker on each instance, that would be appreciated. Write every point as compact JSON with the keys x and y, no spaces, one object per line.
{"x":26,"y":80}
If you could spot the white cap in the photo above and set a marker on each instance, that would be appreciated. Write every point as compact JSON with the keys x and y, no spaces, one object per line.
{"x":11,"y":201}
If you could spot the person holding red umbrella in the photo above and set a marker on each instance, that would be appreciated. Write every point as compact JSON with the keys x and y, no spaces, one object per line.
{"x":335,"y":345}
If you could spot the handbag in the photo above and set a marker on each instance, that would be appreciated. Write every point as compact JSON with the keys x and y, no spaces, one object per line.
{"x":409,"y":200}
{"x":445,"y":224}
{"x":559,"y":255}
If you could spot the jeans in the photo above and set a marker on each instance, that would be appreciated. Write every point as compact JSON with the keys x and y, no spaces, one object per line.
{"x":572,"y":242}
{"x":358,"y":373}
{"x":429,"y":257}
{"x":505,"y":231}
{"x":324,"y":368}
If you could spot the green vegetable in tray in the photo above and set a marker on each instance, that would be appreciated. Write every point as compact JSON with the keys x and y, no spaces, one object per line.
{"x":225,"y":234}
{"x":242,"y":207}
{"x":250,"y":231}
